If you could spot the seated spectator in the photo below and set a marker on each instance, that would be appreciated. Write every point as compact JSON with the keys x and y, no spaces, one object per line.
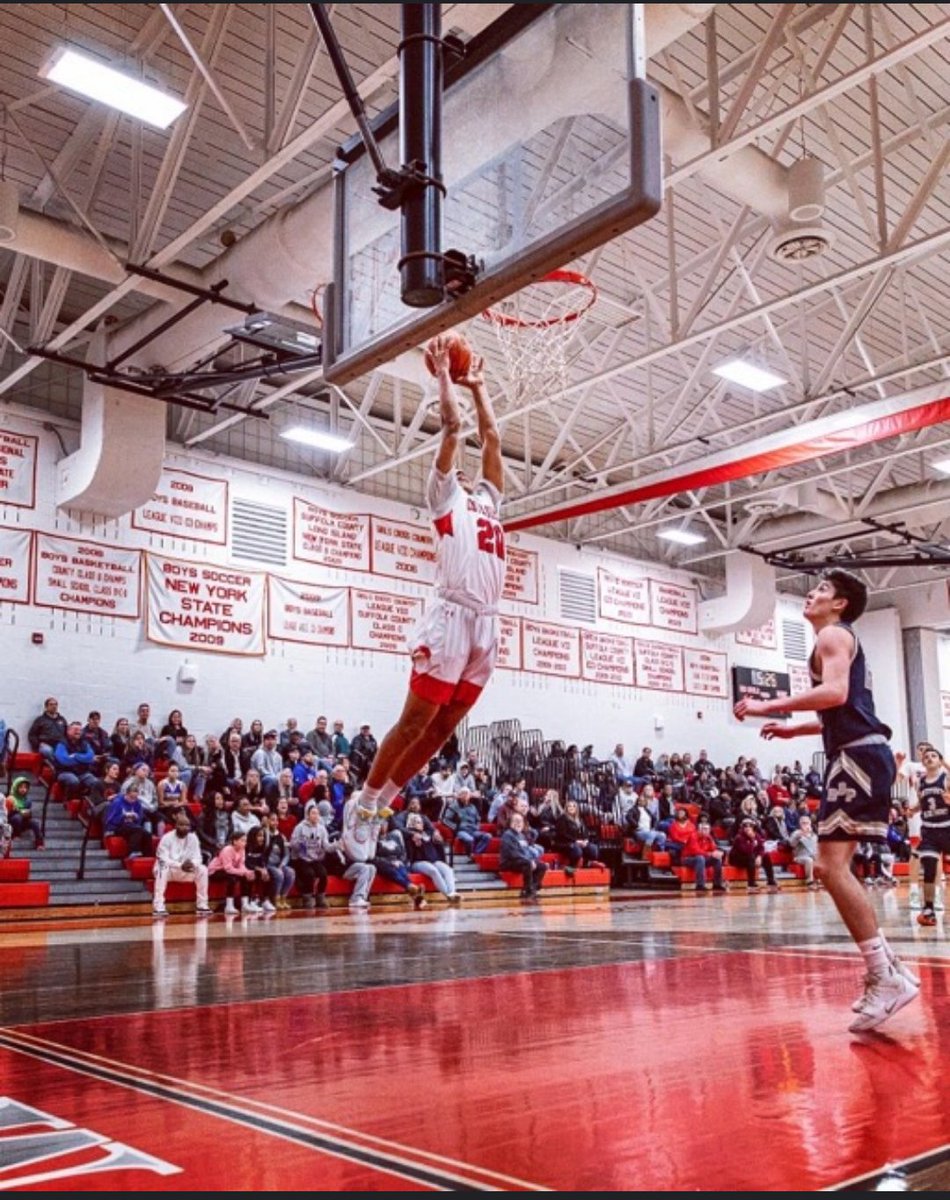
{"x":174,"y":731}
{"x":236,"y":726}
{"x":421,"y":787}
{"x":254,"y":738}
{"x":235,"y":761}
{"x":462,"y":817}
{"x":215,"y":827}
{"x":229,"y":867}
{"x":137,"y":751}
{"x":100,"y":741}
{"x":624,"y":801}
{"x":622,"y":765}
{"x":143,"y":724}
{"x":243,"y":818}
{"x":874,"y":862}
{"x":311,"y":849}
{"x":642,"y":823}
{"x":515,"y":855}
{"x":125,"y":819}
{"x":427,"y":856}
{"x":700,"y":853}
{"x":898,"y":839}
{"x":171,"y":796}
{"x":148,"y":797}
{"x":73,"y":759}
{"x":305,"y":772}
{"x":285,"y":789}
{"x":644,"y":767}
{"x":292,"y":750}
{"x":339,"y":788}
{"x":777,"y":791}
{"x":289,"y":815}
{"x":290,"y":727}
{"x":679,"y":834}
{"x":413,"y":807}
{"x":178,"y":860}
{"x":572,"y":838}
{"x":47,"y":730}
{"x":498,"y":800}
{"x":255,"y":854}
{"x":804,"y":844}
{"x":363,"y":750}
{"x":543,"y":817}
{"x":321,"y":743}
{"x":814,"y":786}
{"x":775,"y":827}
{"x":277,"y":860}
{"x":748,"y":810}
{"x":119,"y":738}
{"x":443,"y":790}
{"x":192,"y":768}
{"x":217,"y":777}
{"x":266,"y":760}
{"x":748,"y":853}
{"x":341,"y":743}
{"x":392,"y":862}
{"x":107,"y":787}
{"x":666,"y":805}
{"x":19,"y":812}
{"x":253,"y":790}
{"x":358,"y":843}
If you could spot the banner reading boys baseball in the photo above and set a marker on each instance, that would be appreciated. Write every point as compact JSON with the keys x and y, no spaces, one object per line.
{"x":15,"y":565}
{"x":87,"y":577}
{"x":17,"y":469}
{"x":186,"y":506}
{"x":218,"y":608}
{"x":300,"y":612}
{"x":382,"y":621}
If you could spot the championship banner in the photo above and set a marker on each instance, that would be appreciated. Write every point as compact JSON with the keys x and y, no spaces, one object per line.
{"x":658,"y":666}
{"x":300,"y":612}
{"x":623,"y":599}
{"x":402,"y":551}
{"x":550,"y":649}
{"x":799,"y":678}
{"x":945,"y":704}
{"x":763,"y":637}
{"x":521,"y":576}
{"x":87,"y":577}
{"x":205,"y":605}
{"x":15,"y":566}
{"x":509,"y":644}
{"x":18,"y":469}
{"x":186,"y":506}
{"x":607,"y":658}
{"x":330,"y":539}
{"x":706,"y":673}
{"x":673,"y":606}
{"x":381,"y":621}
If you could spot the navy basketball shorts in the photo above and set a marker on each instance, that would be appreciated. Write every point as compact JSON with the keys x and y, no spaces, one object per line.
{"x":857,"y":795}
{"x":934,"y":842}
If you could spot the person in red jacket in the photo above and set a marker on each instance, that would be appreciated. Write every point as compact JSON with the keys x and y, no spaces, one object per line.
{"x":678,"y":834}
{"x":701,"y":852}
{"x":748,"y":852}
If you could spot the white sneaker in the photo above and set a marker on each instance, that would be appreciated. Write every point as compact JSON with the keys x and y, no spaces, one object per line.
{"x":359,"y":903}
{"x":267,"y":908}
{"x":250,"y":908}
{"x":229,"y":908}
{"x":915,"y":900}
{"x":896,"y":965}
{"x":884,"y":995}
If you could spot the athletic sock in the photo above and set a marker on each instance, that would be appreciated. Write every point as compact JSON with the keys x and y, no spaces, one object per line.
{"x":877,"y":954}
{"x":369,"y":797}
{"x":387,"y":792}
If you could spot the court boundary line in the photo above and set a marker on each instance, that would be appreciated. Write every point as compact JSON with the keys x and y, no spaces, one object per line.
{"x":919,"y":1162}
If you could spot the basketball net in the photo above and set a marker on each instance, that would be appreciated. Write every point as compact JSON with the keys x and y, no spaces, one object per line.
{"x":535,"y":327}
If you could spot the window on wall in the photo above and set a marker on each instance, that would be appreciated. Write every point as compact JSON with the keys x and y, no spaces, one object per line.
{"x":795,"y":640}
{"x":578,"y":596}
{"x":259,"y":532}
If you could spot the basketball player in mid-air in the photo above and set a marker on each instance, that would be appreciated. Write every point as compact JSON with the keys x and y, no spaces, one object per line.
{"x":858,"y":778}
{"x":453,"y":647}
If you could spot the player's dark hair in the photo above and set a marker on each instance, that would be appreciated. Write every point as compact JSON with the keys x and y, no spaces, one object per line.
{"x":848,"y":587}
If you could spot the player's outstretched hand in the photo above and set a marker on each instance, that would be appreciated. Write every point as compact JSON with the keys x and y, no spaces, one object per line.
{"x":774,"y":729}
{"x":748,"y":708}
{"x":475,"y":375}
{"x":439,"y":351}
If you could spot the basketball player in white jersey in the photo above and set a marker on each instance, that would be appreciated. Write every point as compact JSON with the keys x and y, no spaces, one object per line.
{"x":454,"y":645}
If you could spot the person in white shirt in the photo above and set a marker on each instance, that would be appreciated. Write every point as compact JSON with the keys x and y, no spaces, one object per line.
{"x":269,"y":763}
{"x":242,"y":819}
{"x":178,"y":860}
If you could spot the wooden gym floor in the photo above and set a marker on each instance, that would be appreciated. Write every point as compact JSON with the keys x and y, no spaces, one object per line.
{"x":650,"y":1043}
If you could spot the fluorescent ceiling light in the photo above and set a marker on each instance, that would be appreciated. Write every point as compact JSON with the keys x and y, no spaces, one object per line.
{"x":748,"y":375}
{"x":318,"y":438}
{"x":85,"y":75}
{"x":943,"y":466}
{"x":682,"y":537}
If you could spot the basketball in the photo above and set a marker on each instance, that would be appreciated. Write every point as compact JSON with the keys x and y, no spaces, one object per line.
{"x":460,"y":354}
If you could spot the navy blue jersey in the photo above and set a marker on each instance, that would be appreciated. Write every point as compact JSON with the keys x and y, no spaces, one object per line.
{"x":934,"y":806}
{"x":855,"y":719}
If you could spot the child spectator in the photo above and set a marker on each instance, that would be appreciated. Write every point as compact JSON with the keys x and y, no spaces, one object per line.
{"x":19,"y":812}
{"x":229,"y":868}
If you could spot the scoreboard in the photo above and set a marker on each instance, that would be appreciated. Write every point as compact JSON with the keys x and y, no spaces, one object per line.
{"x":753,"y":683}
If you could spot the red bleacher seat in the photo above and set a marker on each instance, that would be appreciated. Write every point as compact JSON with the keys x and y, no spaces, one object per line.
{"x":14,"y":870}
{"x":591,"y":875}
{"x":24,"y":895}
{"x":660,"y":858}
{"x":140,"y":868}
{"x":116,"y":847}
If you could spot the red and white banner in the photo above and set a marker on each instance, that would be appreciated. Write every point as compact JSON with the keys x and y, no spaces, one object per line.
{"x":763,"y":637}
{"x":204,"y":605}
{"x":673,"y":606}
{"x":15,"y":566}
{"x":381,"y":621}
{"x":331,"y":539}
{"x":403,"y":551}
{"x":301,"y":612}
{"x":551,"y":649}
{"x":945,"y":703}
{"x":799,"y":679}
{"x":705,"y":672}
{"x":623,"y":599}
{"x":87,"y":577}
{"x":607,"y":658}
{"x":658,"y":666}
{"x":521,"y":576}
{"x":18,"y":469}
{"x":509,"y":643}
{"x":186,"y":506}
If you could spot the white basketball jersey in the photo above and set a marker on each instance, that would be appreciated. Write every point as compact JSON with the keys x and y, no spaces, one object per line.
{"x":470,"y":552}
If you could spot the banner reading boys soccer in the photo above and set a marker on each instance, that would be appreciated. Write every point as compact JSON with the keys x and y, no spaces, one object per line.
{"x":204,"y":605}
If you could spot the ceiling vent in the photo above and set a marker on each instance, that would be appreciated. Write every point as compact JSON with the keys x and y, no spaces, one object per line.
{"x":795,"y":243}
{"x":764,"y":506}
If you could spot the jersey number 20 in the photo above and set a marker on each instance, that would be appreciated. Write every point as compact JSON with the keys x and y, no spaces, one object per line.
{"x":491,"y":537}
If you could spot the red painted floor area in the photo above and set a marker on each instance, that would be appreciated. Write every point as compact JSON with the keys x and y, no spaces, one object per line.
{"x":730,"y":1071}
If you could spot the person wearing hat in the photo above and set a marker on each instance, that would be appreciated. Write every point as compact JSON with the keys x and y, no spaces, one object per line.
{"x":748,"y":852}
{"x":362,"y":752}
{"x":269,"y":764}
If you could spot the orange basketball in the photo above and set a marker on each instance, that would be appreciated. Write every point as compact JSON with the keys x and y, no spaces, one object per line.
{"x":460,"y":354}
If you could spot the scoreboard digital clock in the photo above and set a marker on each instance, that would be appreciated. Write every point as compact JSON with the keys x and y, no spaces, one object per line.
{"x":754,"y":683}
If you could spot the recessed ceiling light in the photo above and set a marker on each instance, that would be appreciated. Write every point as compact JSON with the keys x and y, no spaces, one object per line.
{"x":94,"y":79}
{"x":943,"y":466}
{"x":317,"y":438}
{"x":682,"y":537}
{"x":748,"y":375}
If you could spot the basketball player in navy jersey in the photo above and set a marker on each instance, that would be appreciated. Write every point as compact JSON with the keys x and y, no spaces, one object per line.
{"x":858,"y":779}
{"x":933,"y":789}
{"x":453,"y":647}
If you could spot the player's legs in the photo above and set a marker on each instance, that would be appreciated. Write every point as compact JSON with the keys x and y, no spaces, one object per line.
{"x":416,"y":755}
{"x":402,"y":739}
{"x":833,"y":868}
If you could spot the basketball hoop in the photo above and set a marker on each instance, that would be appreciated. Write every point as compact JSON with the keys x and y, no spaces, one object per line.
{"x":535,"y":326}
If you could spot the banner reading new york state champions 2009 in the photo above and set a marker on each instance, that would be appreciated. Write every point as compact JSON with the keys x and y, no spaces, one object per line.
{"x":199,"y":604}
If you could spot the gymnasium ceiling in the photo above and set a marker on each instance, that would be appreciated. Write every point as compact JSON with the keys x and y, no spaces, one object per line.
{"x":862,"y":87}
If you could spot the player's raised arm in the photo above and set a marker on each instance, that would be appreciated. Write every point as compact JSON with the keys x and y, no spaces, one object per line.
{"x":488,"y":434}
{"x":449,"y":412}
